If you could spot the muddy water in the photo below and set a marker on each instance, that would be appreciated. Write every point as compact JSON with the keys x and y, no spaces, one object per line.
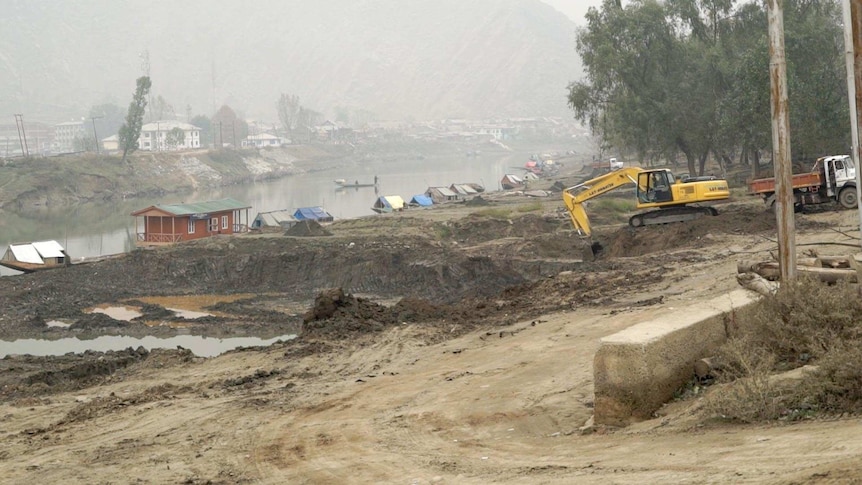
{"x":96,"y":229}
{"x":200,"y":346}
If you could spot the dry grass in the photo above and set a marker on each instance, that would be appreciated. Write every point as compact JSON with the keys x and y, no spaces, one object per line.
{"x":807,"y":322}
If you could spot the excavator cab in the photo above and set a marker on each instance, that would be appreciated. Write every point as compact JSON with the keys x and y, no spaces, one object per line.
{"x":654,"y":186}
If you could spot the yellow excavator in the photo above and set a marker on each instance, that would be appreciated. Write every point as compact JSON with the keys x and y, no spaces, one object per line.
{"x":655,"y":189}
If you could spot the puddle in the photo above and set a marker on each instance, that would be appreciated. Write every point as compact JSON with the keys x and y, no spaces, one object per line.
{"x":189,"y":307}
{"x":194,"y":303}
{"x":200,"y":346}
{"x":188,"y":314}
{"x":124,"y":313}
{"x":58,"y":323}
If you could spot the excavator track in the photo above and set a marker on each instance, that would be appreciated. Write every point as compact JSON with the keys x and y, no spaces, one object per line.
{"x":671,"y":214}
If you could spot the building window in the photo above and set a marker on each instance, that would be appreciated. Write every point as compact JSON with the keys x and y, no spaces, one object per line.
{"x":191,"y":226}
{"x":146,"y":144}
{"x":214,"y":224}
{"x":224,"y":222}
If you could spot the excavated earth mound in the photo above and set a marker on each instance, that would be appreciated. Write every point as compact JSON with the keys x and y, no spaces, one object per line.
{"x":307,"y":229}
{"x":743,"y":219}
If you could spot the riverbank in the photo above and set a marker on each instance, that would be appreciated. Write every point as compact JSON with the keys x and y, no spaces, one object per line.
{"x":36,"y":183}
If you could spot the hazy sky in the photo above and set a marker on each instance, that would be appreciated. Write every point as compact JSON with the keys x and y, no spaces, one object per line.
{"x":574,"y":9}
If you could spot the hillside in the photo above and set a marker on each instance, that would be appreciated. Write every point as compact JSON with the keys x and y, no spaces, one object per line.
{"x":433,"y":59}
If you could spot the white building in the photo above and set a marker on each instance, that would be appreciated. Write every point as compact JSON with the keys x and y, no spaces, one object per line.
{"x":261,"y":140}
{"x":65,"y":135}
{"x":156,"y":136}
{"x":111,"y":143}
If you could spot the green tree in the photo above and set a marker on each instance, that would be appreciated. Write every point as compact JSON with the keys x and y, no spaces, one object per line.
{"x":692,"y":77}
{"x":175,"y":137}
{"x":817,"y":79}
{"x":83,"y":144}
{"x":131,"y":129}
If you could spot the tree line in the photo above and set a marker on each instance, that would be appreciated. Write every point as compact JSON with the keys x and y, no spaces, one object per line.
{"x":689,"y":79}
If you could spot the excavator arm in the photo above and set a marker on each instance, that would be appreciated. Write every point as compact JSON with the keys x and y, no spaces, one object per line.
{"x":575,"y":196}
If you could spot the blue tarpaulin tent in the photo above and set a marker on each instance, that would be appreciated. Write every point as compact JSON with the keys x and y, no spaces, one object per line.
{"x":421,"y":200}
{"x":313,"y":214}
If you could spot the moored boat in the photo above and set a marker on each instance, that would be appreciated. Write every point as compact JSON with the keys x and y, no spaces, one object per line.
{"x":342,"y":183}
{"x":35,"y":256}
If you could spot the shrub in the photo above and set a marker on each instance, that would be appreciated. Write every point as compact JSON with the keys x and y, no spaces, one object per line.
{"x":805,"y":322}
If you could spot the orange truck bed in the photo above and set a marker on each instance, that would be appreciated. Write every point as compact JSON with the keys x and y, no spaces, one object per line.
{"x":799,"y":181}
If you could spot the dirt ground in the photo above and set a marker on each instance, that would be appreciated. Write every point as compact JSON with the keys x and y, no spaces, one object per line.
{"x":444,"y":345}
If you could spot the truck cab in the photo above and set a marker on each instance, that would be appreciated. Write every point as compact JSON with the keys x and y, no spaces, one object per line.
{"x":837,"y":172}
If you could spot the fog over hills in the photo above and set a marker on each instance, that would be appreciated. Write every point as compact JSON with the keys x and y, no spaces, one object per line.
{"x":417,"y":59}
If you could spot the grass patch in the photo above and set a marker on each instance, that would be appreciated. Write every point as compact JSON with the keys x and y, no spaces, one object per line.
{"x":531,"y":207}
{"x":443,"y":231}
{"x":806,"y":323}
{"x":494,"y":213}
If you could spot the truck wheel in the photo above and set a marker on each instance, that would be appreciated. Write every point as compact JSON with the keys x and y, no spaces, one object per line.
{"x":847,"y":198}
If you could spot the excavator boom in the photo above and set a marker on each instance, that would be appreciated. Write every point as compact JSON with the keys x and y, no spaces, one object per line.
{"x":575,"y":196}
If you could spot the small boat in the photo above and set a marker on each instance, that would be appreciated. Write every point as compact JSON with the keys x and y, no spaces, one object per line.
{"x":341,"y":183}
{"x":35,"y":256}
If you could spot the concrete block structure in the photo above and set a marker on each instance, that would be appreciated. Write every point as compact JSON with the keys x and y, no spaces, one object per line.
{"x":640,"y":368}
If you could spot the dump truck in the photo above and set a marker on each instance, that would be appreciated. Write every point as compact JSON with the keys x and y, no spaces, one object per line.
{"x":832,"y":179}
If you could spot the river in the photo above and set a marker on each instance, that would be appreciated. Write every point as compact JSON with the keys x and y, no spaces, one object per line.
{"x":96,"y":229}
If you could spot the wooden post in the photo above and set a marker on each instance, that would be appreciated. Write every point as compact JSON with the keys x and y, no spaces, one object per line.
{"x":852,"y":10}
{"x":781,"y":142}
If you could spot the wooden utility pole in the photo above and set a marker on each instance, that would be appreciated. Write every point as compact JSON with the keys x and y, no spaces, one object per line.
{"x":95,"y":136}
{"x":781,"y":142}
{"x":852,"y":10}
{"x":22,"y":135}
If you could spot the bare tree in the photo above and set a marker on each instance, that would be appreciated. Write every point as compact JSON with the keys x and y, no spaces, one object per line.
{"x":288,"y":112}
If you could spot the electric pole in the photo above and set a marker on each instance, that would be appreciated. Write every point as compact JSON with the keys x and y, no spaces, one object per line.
{"x":95,"y":136}
{"x":852,"y":14}
{"x":22,"y":135}
{"x":781,"y":143}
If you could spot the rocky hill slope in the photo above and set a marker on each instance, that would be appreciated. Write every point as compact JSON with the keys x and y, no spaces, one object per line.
{"x":424,"y":60}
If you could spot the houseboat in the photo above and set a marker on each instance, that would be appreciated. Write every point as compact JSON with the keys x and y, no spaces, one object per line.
{"x":35,"y":256}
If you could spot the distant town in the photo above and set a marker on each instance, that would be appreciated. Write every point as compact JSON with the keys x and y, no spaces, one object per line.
{"x":26,"y":138}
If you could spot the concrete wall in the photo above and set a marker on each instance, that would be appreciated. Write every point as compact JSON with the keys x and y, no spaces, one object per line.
{"x":640,"y":368}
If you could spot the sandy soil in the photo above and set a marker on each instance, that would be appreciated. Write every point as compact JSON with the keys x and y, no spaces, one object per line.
{"x":451,"y":345}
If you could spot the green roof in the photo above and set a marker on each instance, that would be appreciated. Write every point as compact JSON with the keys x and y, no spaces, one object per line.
{"x":204,"y":207}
